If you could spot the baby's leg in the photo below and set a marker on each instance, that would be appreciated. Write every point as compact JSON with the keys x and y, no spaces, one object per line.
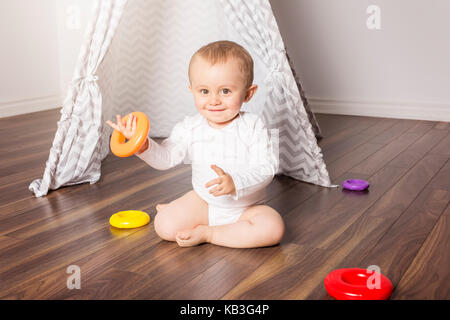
{"x":258,"y":226}
{"x":160,"y":206}
{"x":186,"y":212}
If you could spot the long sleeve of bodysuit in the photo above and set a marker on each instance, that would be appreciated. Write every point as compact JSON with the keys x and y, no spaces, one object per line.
{"x":171,"y":151}
{"x":263,"y":163}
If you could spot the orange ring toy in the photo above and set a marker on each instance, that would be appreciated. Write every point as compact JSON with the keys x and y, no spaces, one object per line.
{"x":125,"y":149}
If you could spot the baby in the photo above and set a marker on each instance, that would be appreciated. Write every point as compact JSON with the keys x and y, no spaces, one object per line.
{"x":231,"y":153}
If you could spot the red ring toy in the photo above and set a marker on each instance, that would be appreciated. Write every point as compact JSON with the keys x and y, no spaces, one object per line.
{"x":125,"y":149}
{"x":351,"y":284}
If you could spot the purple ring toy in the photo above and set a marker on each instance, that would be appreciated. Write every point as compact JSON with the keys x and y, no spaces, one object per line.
{"x":355,"y":184}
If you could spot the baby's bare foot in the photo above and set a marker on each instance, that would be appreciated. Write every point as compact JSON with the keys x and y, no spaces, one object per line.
{"x":193,"y":237}
{"x":160,"y":206}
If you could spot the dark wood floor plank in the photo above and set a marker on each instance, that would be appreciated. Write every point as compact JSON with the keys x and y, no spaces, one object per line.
{"x":443,"y":147}
{"x":145,"y":243}
{"x":400,"y":244}
{"x":24,"y":176}
{"x":345,"y":147}
{"x":391,"y":150}
{"x":331,"y":124}
{"x":112,"y":172}
{"x":393,"y":132}
{"x":212,"y":283}
{"x":291,"y":197}
{"x":167,"y":274}
{"x":428,"y":276}
{"x":330,"y":224}
{"x":27,"y":159}
{"x":109,"y":171}
{"x":303,"y":217}
{"x":355,"y":242}
{"x":271,"y":281}
{"x":346,"y":252}
{"x":419,"y":149}
{"x":400,"y":241}
{"x":19,"y":143}
{"x":110,"y":284}
{"x":12,"y":177}
{"x":13,"y":274}
{"x":51,"y":283}
{"x":313,"y":200}
{"x":398,"y":224}
{"x":308,"y":215}
{"x":66,"y":221}
{"x":6,"y":242}
{"x":222,"y":276}
{"x":76,"y":206}
{"x":298,"y":278}
{"x":345,"y":217}
{"x":349,"y":130}
{"x":388,"y":209}
{"x":53,"y":234}
{"x":394,"y":202}
{"x":375,"y":136}
{"x":381,"y":125}
{"x":442,"y":125}
{"x":35,"y":120}
{"x":364,"y":155}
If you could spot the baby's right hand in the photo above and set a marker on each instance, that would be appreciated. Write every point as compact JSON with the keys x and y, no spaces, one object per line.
{"x":127,"y":129}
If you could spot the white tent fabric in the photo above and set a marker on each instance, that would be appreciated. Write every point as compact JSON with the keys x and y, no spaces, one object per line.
{"x":300,"y":156}
{"x":142,"y":66}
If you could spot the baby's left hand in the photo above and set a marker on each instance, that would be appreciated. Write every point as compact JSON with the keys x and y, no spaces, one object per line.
{"x":224,"y":181}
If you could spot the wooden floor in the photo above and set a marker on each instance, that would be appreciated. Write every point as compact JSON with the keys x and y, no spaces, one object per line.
{"x":402,"y":224}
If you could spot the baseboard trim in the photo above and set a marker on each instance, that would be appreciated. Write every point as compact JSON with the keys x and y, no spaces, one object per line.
{"x":13,"y":108}
{"x":401,"y":110}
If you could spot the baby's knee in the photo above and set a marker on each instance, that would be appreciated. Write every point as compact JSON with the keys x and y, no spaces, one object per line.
{"x":276,"y":230}
{"x":279,"y":231}
{"x":164,"y":228}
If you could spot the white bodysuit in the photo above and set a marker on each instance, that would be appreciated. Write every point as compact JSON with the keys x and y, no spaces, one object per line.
{"x":244,"y":149}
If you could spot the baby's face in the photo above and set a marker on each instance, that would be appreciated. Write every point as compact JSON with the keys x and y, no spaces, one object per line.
{"x":219,"y":90}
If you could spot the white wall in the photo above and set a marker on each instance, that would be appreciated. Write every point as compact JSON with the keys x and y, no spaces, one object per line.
{"x":402,"y":70}
{"x":72,"y":18}
{"x":29,"y":76}
{"x":399,"y":71}
{"x":39,"y":45}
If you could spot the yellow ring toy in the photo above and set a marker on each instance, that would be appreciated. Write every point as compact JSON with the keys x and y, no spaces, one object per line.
{"x":125,"y":149}
{"x":129,"y":219}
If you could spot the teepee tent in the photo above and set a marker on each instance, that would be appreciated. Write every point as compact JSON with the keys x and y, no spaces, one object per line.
{"x":135,"y":57}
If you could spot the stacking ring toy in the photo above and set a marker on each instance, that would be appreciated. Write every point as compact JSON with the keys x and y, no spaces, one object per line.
{"x":129,"y":219}
{"x":352,"y":284}
{"x":355,"y":184}
{"x":125,"y":149}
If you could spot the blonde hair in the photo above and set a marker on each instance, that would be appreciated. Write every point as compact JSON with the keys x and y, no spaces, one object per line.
{"x":221,"y":51}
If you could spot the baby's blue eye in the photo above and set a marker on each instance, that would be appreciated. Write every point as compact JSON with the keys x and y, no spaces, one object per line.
{"x":204,"y":91}
{"x":226,"y":91}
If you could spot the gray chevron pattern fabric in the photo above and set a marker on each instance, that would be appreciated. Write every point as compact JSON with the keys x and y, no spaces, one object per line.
{"x":311,"y":116}
{"x":151,"y":52}
{"x":300,"y":156}
{"x":135,"y":58}
{"x":75,"y":153}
